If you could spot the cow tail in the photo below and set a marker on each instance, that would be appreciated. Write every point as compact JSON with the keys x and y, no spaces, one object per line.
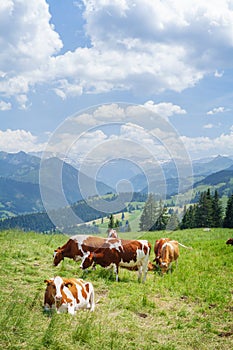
{"x":184,"y":246}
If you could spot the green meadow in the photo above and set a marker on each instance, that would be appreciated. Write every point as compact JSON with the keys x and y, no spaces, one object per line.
{"x":190,"y":308}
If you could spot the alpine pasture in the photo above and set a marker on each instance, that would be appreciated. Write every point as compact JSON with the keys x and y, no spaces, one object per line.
{"x":189,"y":308}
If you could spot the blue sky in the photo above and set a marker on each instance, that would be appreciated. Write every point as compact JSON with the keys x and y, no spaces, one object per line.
{"x":59,"y":57}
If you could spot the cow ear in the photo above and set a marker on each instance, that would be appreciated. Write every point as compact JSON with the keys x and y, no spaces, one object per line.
{"x":68,"y":284}
{"x":47,"y":281}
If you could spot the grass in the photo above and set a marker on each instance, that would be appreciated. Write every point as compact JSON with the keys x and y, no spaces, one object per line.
{"x":190,"y":308}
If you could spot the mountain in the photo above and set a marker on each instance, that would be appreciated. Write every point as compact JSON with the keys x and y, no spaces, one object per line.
{"x":20,"y":183}
{"x":18,"y":197}
{"x":165,"y":178}
{"x":212,"y":166}
{"x":221,"y":180}
{"x":20,"y":167}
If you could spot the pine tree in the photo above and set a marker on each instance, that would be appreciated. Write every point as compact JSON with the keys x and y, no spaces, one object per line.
{"x":149,"y":214}
{"x":203,"y":212}
{"x":173,"y":222}
{"x":162,"y":220}
{"x":216,"y":210}
{"x":228,"y":219}
{"x":111,"y":223}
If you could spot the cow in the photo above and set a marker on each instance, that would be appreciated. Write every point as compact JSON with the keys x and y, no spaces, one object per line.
{"x":229,"y":241}
{"x":76,"y":247}
{"x":169,"y":253}
{"x":158,"y":247}
{"x":112,"y":233}
{"x":124,"y":253}
{"x":68,"y":295}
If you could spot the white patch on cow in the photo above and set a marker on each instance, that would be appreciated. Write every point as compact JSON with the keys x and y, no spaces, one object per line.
{"x":58,"y":283}
{"x":115,"y":244}
{"x":54,"y":254}
{"x":79,"y":240}
{"x":168,"y":244}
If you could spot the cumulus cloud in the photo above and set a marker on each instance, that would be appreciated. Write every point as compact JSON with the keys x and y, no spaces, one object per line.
{"x":164,"y":109}
{"x":5,"y":106}
{"x":217,"y":110}
{"x":19,"y":140}
{"x":208,"y":126}
{"x":207,"y":146}
{"x":175,"y":45}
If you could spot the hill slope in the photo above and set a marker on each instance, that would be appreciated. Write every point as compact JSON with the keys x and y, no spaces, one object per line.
{"x":191,"y":307}
{"x":19,"y":180}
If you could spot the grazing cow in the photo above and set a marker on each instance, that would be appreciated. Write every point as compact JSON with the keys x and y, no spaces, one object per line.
{"x":76,"y":247}
{"x":229,"y":241}
{"x":68,"y":295}
{"x":112,"y":233}
{"x":169,"y":253}
{"x":119,"y":252}
{"x":157,"y":248}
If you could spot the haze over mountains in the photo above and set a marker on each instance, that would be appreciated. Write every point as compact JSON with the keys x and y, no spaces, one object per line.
{"x":20,"y":189}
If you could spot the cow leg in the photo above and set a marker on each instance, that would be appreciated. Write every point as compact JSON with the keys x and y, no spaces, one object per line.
{"x":116,"y":270}
{"x":139,"y":273}
{"x":92,"y":302}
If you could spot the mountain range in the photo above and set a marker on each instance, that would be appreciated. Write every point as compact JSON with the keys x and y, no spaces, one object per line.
{"x":20,"y":180}
{"x":20,"y":183}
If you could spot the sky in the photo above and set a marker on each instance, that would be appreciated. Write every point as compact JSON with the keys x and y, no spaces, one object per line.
{"x":59,"y":58}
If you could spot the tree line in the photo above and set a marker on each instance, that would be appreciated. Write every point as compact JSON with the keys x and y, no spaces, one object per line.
{"x":207,"y":212}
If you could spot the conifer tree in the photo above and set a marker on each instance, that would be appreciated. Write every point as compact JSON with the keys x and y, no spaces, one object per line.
{"x":228,"y":219}
{"x":149,"y":214}
{"x":216,"y":210}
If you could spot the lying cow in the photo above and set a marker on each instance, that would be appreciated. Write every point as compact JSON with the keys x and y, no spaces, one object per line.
{"x":229,"y":241}
{"x":68,"y":295}
{"x":76,"y":247}
{"x":125,"y":253}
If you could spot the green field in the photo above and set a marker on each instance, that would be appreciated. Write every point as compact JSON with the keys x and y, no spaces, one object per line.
{"x":190,"y":308}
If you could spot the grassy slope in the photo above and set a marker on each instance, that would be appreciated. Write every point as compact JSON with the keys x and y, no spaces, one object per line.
{"x":191,"y":308}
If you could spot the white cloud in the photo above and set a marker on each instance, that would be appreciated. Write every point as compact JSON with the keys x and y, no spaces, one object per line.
{"x":205,"y":146}
{"x":218,"y":74}
{"x":164,"y":109}
{"x":5,"y":106}
{"x":175,"y":46}
{"x":19,"y":140}
{"x":216,"y":110}
{"x":208,"y":126}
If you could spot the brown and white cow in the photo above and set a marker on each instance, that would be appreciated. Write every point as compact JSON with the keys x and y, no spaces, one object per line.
{"x":169,"y":253}
{"x":68,"y":295}
{"x":229,"y":241}
{"x":112,"y":233}
{"x":119,"y":252}
{"x":157,"y":248}
{"x":76,"y":247}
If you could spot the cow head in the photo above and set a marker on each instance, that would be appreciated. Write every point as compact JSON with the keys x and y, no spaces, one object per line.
{"x":87,"y":261}
{"x":164,"y":267}
{"x":58,"y":256}
{"x":54,"y":288}
{"x":229,"y":241}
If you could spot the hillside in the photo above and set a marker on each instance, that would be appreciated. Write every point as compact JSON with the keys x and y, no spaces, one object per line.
{"x":191,"y":308}
{"x":221,"y":180}
{"x":211,"y":166}
{"x":19,"y":183}
{"x":18,"y":197}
